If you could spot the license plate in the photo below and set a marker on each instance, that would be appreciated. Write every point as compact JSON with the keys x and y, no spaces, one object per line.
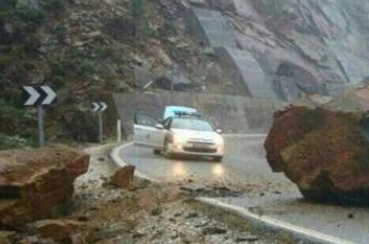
{"x":198,"y":145}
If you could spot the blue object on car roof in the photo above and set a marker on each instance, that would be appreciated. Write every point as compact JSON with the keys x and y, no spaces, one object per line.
{"x":171,"y":111}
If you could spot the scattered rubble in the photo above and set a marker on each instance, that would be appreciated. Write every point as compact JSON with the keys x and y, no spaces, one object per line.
{"x":103,"y":213}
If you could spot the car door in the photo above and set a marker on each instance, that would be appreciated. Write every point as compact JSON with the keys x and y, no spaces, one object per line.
{"x":145,"y":131}
{"x":158,"y":136}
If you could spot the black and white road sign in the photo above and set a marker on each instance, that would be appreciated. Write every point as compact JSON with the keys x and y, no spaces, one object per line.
{"x":99,"y":107}
{"x":38,"y":95}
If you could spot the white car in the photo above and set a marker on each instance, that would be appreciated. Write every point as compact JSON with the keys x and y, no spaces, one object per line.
{"x":181,"y":134}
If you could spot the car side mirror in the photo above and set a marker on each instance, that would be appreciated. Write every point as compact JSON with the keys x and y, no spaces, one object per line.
{"x":219,"y":131}
{"x":159,"y":126}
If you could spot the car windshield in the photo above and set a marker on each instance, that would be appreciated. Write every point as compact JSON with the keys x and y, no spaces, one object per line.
{"x":191,"y":124}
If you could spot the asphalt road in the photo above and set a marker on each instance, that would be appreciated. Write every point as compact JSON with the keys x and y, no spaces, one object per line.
{"x":265,"y":193}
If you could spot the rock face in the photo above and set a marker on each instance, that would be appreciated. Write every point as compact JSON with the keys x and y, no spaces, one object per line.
{"x":325,"y":153}
{"x":33,"y":182}
{"x":302,"y":47}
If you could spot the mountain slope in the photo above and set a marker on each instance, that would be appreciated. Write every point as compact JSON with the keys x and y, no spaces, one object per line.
{"x":85,"y":49}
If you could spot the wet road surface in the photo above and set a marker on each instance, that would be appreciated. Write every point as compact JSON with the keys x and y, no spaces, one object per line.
{"x":245,"y":168}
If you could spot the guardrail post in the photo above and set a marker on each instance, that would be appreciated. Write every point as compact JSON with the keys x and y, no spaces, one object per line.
{"x":119,"y":131}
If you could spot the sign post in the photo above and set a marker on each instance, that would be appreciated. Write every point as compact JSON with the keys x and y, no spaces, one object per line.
{"x":39,"y":96}
{"x":40,"y":122}
{"x":100,"y":107}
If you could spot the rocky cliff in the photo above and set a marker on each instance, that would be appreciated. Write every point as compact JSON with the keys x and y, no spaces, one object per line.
{"x":303,"y":46}
{"x":85,"y":49}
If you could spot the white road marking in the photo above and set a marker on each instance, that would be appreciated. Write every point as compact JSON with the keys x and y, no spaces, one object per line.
{"x":243,"y":212}
{"x":117,"y":159}
{"x":275,"y":223}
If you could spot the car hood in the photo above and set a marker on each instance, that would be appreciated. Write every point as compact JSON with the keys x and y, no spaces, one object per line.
{"x":198,"y":134}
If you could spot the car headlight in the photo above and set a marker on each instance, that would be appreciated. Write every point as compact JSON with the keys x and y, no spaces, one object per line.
{"x":179,"y":139}
{"x":219,"y":140}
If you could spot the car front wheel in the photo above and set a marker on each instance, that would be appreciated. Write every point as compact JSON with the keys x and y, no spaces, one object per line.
{"x":166,"y":152}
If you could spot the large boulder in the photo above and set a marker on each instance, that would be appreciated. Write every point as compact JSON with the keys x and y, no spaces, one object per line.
{"x":351,"y":100}
{"x":326,"y":153}
{"x":34,"y":181}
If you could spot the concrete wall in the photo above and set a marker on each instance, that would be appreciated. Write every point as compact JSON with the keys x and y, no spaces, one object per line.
{"x":230,"y":113}
{"x":210,"y":27}
{"x":249,"y":72}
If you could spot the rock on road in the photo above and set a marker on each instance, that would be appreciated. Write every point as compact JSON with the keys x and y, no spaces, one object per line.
{"x":244,"y":170}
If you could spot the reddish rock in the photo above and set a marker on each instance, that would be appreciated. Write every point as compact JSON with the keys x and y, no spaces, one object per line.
{"x":34,"y":181}
{"x":123,"y":177}
{"x":56,"y":229}
{"x":325,"y":153}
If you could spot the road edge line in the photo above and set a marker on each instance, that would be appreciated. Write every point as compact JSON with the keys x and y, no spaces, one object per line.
{"x":114,"y":155}
{"x":243,"y":212}
{"x":273,"y":223}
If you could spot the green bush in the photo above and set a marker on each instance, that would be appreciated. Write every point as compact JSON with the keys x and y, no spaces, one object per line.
{"x":72,"y":65}
{"x":6,"y":9}
{"x":24,"y":19}
{"x":19,"y":15}
{"x":59,"y":33}
{"x":15,"y":128}
{"x":120,"y":28}
{"x":26,"y":14}
{"x":2,"y":82}
{"x":31,"y":43}
{"x":5,"y":60}
{"x":55,"y":6}
{"x":9,"y":110}
{"x":57,"y":81}
{"x":67,"y":65}
{"x":167,"y":30}
{"x":60,"y":67}
{"x":87,"y":68}
{"x":8,"y":142}
{"x":141,"y":13}
{"x":16,"y":141}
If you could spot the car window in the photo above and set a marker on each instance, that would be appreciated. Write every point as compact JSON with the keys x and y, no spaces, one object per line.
{"x":171,"y":110}
{"x":191,"y":124}
{"x":143,"y":119}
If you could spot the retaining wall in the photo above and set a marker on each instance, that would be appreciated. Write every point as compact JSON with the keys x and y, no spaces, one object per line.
{"x":232,"y":114}
{"x":210,"y":26}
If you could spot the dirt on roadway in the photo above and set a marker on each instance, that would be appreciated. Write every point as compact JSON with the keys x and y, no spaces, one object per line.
{"x":146,"y":213}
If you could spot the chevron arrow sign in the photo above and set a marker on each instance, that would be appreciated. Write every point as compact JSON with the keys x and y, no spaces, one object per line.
{"x":38,"y":95}
{"x":99,"y":107}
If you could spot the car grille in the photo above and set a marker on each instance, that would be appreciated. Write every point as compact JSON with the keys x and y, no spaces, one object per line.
{"x":202,"y":141}
{"x":200,"y":149}
{"x":200,"y":145}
